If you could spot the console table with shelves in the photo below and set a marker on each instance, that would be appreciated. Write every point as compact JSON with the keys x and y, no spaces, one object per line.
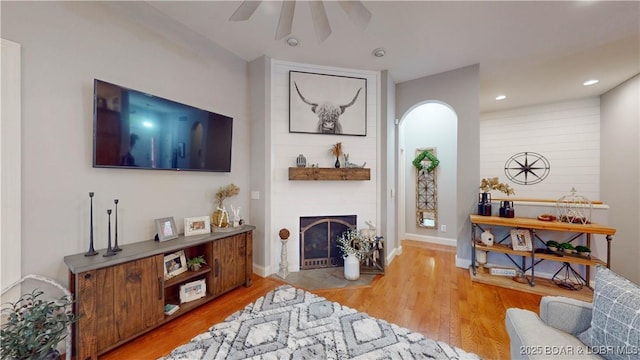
{"x":120,"y":297}
{"x":538,"y":252}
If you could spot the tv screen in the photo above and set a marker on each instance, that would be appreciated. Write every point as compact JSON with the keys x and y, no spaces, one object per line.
{"x":137,"y":130}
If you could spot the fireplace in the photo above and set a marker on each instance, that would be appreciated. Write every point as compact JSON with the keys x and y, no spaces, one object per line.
{"x":318,"y":240}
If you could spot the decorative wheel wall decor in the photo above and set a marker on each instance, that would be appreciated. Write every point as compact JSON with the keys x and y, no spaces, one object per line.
{"x":527,"y":168}
{"x":426,"y":191}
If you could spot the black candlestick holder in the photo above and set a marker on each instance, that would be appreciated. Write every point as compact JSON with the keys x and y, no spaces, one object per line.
{"x":110,"y":251}
{"x":91,"y":251}
{"x":116,"y":248}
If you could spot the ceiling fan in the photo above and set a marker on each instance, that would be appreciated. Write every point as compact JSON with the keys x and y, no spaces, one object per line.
{"x":355,"y":10}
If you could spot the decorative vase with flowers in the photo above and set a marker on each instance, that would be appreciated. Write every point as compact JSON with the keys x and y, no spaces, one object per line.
{"x":336,"y":150}
{"x":484,"y":198}
{"x":220,"y":217}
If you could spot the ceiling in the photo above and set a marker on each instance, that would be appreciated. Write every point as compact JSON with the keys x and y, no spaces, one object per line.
{"x":531,"y":51}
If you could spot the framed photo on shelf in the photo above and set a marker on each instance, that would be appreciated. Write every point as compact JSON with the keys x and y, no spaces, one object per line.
{"x":192,"y":291}
{"x":197,"y":225}
{"x":174,"y":264}
{"x":166,"y":229}
{"x":327,"y":104}
{"x":521,"y":240}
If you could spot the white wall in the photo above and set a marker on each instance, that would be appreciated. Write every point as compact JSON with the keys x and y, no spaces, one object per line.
{"x":431,"y":125}
{"x":620,"y":173}
{"x":65,"y":46}
{"x":289,"y":200}
{"x":10,"y":166}
{"x":566,"y":133}
{"x":459,"y":89}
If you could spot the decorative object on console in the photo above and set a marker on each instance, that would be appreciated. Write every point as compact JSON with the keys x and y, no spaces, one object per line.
{"x":220,"y":217}
{"x":331,"y":104}
{"x":110,"y":251}
{"x":166,"y":229}
{"x":566,"y":247}
{"x":195,"y":263}
{"x":193,"y":290}
{"x":546,"y":217}
{"x":506,"y":209}
{"x":284,"y":263}
{"x":583,"y":250}
{"x":236,"y":216}
{"x":481,"y":258}
{"x":169,"y":309}
{"x":575,"y":209}
{"x":174,"y":264}
{"x":553,"y":245}
{"x":484,"y":198}
{"x":116,"y":248}
{"x":301,"y":161}
{"x":521,"y":240}
{"x":336,"y":150}
{"x":91,"y":251}
{"x":197,"y":225}
{"x":487,"y":237}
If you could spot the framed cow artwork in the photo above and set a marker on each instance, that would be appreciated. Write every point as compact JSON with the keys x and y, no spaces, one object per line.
{"x":327,"y":104}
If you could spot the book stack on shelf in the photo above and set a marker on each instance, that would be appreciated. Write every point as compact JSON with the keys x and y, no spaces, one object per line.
{"x":170,"y":309}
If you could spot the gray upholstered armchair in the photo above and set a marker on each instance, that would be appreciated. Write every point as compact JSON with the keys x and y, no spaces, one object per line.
{"x":553,"y":333}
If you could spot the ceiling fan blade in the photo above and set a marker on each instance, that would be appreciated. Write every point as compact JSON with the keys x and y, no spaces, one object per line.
{"x":357,"y":12}
{"x":245,"y":10}
{"x":320,"y":20}
{"x":286,"y":19}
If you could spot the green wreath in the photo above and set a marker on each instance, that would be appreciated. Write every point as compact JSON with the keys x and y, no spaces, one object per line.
{"x":417,"y":162}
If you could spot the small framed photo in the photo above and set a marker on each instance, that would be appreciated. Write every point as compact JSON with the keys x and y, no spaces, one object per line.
{"x":166,"y":229}
{"x":197,"y":225}
{"x":192,"y":291}
{"x":521,"y":240}
{"x":174,"y":264}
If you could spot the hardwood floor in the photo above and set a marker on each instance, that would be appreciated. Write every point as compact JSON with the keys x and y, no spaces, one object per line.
{"x":422,"y":290}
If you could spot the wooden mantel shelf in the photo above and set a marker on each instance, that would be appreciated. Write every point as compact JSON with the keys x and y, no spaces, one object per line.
{"x":315,"y":173}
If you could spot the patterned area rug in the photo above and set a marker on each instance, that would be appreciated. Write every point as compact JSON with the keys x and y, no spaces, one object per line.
{"x":290,"y":323}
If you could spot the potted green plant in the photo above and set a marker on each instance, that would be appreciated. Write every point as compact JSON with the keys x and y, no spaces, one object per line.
{"x":566,"y":247}
{"x":583,"y":250}
{"x":195,"y":263}
{"x":33,"y":327}
{"x":552,"y":245}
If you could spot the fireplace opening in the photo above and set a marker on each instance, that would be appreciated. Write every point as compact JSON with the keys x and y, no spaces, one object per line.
{"x":319,"y":240}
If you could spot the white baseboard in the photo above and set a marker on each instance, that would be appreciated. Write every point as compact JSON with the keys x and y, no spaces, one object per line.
{"x":431,"y":239}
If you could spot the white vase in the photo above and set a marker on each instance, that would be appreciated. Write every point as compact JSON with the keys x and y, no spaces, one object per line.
{"x":487,"y":237}
{"x":351,"y":267}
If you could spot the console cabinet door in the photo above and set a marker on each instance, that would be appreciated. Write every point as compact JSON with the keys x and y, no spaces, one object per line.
{"x":230,"y":259}
{"x":118,"y":302}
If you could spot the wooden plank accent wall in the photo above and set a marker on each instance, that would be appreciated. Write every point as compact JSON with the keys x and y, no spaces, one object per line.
{"x":566,"y":133}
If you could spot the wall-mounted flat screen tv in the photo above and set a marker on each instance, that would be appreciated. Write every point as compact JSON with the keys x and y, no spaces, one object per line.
{"x":136,"y":130}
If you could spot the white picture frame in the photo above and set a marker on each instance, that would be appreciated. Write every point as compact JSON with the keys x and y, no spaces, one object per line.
{"x":521,"y":240}
{"x":166,"y":229}
{"x":197,"y":225}
{"x":174,"y":264}
{"x":192,"y":291}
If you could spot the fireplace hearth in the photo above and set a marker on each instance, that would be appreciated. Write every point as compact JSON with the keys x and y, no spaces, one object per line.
{"x":318,"y":240}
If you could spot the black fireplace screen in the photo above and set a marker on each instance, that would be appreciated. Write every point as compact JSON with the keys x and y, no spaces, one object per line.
{"x":318,"y":240}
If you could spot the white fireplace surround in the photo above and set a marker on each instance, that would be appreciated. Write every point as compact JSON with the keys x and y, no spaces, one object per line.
{"x":290,"y":200}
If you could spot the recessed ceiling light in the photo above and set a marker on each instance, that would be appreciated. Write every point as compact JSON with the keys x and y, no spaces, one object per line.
{"x":379,"y":52}
{"x":292,"y":41}
{"x":590,"y":82}
{"x":501,"y":97}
